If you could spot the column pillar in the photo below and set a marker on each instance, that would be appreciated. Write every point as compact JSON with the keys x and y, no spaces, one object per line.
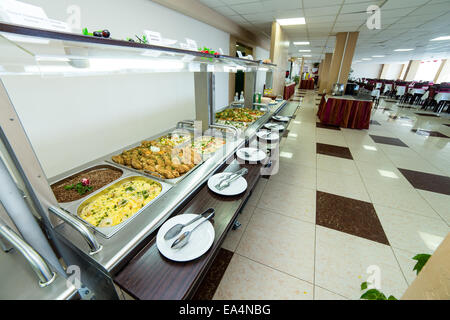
{"x":443,"y":69}
{"x":411,"y":71}
{"x":342,"y":58}
{"x":320,"y":73}
{"x":325,"y":72}
{"x":384,"y":71}
{"x":301,"y":68}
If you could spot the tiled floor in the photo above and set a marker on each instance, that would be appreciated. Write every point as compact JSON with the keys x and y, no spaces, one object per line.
{"x":343,"y":204}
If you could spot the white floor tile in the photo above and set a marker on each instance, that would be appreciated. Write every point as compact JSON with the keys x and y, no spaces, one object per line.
{"x":411,"y":232}
{"x":280,"y":242}
{"x":245,"y":279}
{"x":344,"y":261}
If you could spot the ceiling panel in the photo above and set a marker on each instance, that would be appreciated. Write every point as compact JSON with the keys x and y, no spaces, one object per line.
{"x":404,"y":23}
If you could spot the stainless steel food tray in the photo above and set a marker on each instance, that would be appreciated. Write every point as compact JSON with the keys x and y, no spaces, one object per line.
{"x":174,"y":181}
{"x":108,"y":232}
{"x":95,"y":166}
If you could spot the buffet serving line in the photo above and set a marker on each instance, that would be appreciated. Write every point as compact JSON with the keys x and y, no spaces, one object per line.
{"x":141,"y":278}
{"x":165,"y":273}
{"x":345,"y":112}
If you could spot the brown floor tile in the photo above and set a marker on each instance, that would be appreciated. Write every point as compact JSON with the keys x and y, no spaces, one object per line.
{"x":429,"y":133}
{"x":351,"y":216}
{"x":326,"y":126}
{"x":334,"y":151}
{"x":427,"y":181}
{"x":212,"y":279}
{"x":427,"y":114}
{"x":388,"y":140}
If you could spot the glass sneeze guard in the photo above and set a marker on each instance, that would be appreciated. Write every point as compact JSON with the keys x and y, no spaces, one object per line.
{"x":57,"y":53}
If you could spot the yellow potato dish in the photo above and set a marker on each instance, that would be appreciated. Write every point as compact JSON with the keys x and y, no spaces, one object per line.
{"x":119,"y":202}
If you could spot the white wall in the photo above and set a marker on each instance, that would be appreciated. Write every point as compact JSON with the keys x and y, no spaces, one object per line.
{"x":366,"y":70}
{"x":73,"y":120}
{"x":393,"y":72}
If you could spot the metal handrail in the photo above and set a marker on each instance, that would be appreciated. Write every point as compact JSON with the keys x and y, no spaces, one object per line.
{"x":187,"y":122}
{"x":87,"y":235}
{"x":40,"y":267}
{"x":226,"y":127}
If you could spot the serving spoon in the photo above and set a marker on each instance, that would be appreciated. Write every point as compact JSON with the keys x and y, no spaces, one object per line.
{"x":176,"y":229}
{"x":184,"y":238}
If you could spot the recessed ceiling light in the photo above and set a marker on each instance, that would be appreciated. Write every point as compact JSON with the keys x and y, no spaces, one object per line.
{"x":301,"y":43}
{"x":307,"y":55}
{"x":291,"y":21}
{"x":304,"y":50}
{"x":366,"y":59}
{"x":441,"y":38}
{"x":377,"y":56}
{"x":401,"y":50}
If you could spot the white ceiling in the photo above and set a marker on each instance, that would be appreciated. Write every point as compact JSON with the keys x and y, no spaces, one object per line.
{"x":404,"y":24}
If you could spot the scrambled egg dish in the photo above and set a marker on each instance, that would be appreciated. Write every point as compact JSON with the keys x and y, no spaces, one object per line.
{"x":119,"y":202}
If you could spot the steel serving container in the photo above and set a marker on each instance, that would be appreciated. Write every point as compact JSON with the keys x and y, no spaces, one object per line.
{"x":75,"y":207}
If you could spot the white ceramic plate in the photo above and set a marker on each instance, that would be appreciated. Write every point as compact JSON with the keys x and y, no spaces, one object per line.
{"x":199,"y":242}
{"x":255,"y":154}
{"x":274,"y":126}
{"x":263,"y":135}
{"x":236,"y":187}
{"x":281,"y":118}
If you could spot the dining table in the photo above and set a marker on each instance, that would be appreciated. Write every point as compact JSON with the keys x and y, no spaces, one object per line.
{"x":307,"y":84}
{"x":345,"y":111}
{"x":289,"y":90}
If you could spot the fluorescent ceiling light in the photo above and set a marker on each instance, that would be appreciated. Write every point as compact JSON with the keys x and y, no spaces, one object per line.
{"x":291,"y":21}
{"x":307,"y":55}
{"x":301,"y":43}
{"x":401,"y":50}
{"x":304,"y":50}
{"x":441,"y":38}
{"x":377,"y":56}
{"x":366,"y":59}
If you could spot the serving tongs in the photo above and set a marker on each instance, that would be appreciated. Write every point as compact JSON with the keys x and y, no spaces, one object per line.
{"x":230,"y":176}
{"x":176,"y":229}
{"x":183,"y":239}
{"x":228,"y":182}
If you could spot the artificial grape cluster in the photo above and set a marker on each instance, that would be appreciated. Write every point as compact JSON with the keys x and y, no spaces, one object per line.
{"x":101,"y":33}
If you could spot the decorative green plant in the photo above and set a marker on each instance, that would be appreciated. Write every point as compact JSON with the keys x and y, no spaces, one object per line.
{"x":374,"y":294}
{"x":297,"y":79}
{"x":421,"y":260}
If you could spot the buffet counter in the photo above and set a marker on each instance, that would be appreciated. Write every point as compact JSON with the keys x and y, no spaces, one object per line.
{"x":119,"y":248}
{"x":141,"y":277}
{"x":345,"y":112}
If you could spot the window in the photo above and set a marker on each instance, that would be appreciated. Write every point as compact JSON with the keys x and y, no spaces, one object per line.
{"x":427,"y":70}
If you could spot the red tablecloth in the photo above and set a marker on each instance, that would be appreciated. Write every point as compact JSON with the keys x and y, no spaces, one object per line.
{"x":289,"y":91}
{"x":346,"y":113}
{"x":307,"y":84}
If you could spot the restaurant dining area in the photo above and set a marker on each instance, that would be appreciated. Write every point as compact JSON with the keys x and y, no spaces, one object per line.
{"x":225,"y":157}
